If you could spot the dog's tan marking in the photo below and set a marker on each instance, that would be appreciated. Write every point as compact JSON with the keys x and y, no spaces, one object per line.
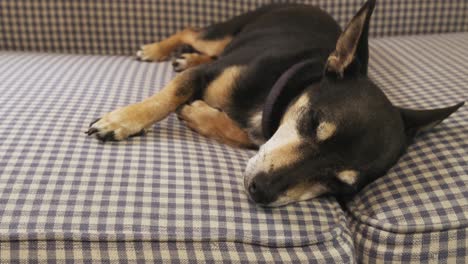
{"x":281,"y":157}
{"x":282,"y":149}
{"x":255,"y":128}
{"x":215,"y":124}
{"x":285,"y":152}
{"x":301,"y":192}
{"x":305,"y":191}
{"x":218,"y":92}
{"x":195,"y":59}
{"x":211,"y":47}
{"x":348,"y":176}
{"x":131,"y":119}
{"x":161,"y":51}
{"x":296,"y":108}
{"x":325,"y":130}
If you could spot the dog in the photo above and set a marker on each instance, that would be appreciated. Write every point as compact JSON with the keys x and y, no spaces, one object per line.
{"x":285,"y":79}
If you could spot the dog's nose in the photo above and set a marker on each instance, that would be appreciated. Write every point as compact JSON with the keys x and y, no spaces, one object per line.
{"x":258,"y":192}
{"x":250,"y":186}
{"x":252,"y":189}
{"x":254,"y":192}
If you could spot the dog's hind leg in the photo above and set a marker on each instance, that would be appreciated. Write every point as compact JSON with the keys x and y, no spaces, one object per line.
{"x":209,"y":41}
{"x":162,"y":51}
{"x":214,"y":124}
{"x":134,"y":119}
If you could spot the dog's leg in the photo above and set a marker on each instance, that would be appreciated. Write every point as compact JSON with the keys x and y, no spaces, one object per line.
{"x":210,"y":41}
{"x":136,"y":118}
{"x":189,"y":60}
{"x":161,"y":51}
{"x":215,"y":124}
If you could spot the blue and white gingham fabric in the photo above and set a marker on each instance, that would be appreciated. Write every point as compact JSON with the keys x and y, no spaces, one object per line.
{"x":171,"y":195}
{"x":418,"y":212}
{"x":120,"y":27}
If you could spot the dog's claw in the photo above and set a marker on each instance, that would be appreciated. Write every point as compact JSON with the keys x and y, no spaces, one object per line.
{"x":91,"y":131}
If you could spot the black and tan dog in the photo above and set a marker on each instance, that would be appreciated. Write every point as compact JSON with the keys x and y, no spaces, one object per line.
{"x":287,"y":79}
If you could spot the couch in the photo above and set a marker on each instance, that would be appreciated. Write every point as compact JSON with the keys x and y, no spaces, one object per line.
{"x":175,"y":196}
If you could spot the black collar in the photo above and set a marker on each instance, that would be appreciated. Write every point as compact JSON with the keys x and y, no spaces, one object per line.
{"x":279,"y":97}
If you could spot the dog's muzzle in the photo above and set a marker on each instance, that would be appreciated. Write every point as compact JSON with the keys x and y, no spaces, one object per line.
{"x":254,"y":183}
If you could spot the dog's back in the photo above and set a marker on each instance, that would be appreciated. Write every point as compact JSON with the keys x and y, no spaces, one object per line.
{"x":269,"y":40}
{"x":277,"y":29}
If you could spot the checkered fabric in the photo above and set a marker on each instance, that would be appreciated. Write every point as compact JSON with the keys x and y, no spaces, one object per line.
{"x":418,"y":213}
{"x":171,"y":195}
{"x":120,"y":27}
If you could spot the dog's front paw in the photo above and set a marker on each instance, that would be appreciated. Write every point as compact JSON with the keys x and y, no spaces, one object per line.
{"x":153,"y":52}
{"x":181,"y":62}
{"x":199,"y":116}
{"x":118,"y":125}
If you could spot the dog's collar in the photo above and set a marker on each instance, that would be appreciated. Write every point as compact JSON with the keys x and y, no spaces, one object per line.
{"x":279,"y":97}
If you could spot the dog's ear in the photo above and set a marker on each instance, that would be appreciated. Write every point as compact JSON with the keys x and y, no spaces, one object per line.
{"x":353,"y":43}
{"x":416,"y":121}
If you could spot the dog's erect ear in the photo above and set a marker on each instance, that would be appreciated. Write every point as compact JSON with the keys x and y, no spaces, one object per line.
{"x":353,"y":43}
{"x":416,"y":121}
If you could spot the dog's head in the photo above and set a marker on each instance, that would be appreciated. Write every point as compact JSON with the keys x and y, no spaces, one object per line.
{"x":340,"y":134}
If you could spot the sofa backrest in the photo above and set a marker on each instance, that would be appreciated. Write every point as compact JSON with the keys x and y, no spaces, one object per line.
{"x":120,"y":27}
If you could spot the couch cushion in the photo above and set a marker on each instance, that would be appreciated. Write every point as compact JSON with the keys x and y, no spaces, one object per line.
{"x":419,"y":211}
{"x":171,"y":195}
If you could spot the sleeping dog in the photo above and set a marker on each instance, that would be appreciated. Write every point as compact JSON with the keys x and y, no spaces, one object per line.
{"x":286,"y":79}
